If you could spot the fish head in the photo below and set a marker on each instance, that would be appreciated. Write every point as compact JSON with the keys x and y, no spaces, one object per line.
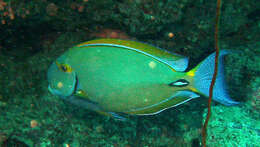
{"x":61,"y":78}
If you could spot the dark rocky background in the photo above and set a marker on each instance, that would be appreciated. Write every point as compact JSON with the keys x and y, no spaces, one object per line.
{"x":34,"y":33}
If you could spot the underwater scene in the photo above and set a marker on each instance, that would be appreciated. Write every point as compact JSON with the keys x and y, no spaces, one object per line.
{"x":130,"y":73}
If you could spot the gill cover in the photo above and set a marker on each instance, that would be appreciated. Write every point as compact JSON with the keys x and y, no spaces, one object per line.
{"x":62,"y":79}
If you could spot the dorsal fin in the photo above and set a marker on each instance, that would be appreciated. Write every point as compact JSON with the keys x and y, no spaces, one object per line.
{"x":177,"y":62}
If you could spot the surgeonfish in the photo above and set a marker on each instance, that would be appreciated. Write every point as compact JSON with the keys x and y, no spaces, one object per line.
{"x":114,"y":76}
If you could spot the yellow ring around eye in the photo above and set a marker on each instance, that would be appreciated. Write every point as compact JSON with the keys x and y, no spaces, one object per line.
{"x":64,"y":67}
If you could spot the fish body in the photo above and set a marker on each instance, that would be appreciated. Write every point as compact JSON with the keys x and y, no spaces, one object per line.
{"x":112,"y":75}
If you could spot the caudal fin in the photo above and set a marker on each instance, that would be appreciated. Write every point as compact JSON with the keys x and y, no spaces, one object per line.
{"x":203,"y":76}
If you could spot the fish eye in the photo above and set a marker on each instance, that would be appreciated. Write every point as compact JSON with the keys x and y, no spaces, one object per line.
{"x":64,"y":68}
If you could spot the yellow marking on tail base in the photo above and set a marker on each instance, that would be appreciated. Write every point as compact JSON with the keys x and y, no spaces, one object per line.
{"x":191,"y":73}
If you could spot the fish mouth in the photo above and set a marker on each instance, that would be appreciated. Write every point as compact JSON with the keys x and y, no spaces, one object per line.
{"x":55,"y":92}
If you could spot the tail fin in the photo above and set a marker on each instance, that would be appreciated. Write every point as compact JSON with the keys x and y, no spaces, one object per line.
{"x":203,"y":76}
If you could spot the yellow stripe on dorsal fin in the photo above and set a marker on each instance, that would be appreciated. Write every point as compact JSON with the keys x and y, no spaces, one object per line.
{"x":176,"y":61}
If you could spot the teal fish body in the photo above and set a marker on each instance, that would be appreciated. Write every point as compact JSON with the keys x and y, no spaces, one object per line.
{"x":111,"y":75}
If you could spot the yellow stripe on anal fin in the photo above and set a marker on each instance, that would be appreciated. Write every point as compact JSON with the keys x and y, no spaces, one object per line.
{"x":194,"y":89}
{"x":161,"y":107}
